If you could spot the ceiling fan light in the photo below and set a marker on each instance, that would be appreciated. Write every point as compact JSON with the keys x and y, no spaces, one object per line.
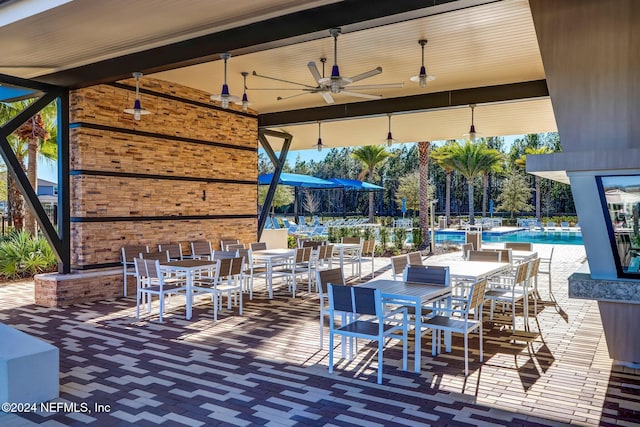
{"x":245,"y":102}
{"x":472,"y":133}
{"x":422,"y":77}
{"x":137,"y":109}
{"x":390,"y":139}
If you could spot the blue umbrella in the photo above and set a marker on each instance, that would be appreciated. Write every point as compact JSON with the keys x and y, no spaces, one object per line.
{"x":354,"y":184}
{"x":11,"y":94}
{"x":298,"y":180}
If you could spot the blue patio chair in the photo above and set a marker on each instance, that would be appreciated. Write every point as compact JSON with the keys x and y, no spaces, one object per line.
{"x":268,"y":224}
{"x":316,"y":221}
{"x":276,"y":224}
{"x":365,"y":302}
{"x":291,"y":228}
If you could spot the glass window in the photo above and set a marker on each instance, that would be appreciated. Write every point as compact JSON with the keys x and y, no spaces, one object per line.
{"x":621,"y":201}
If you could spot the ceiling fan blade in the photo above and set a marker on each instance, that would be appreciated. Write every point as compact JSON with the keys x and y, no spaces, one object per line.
{"x":314,"y":71}
{"x":327,"y":97}
{"x":378,"y":86}
{"x":360,"y":95}
{"x":282,"y":80}
{"x":282,"y":98}
{"x":280,"y":88}
{"x":368,"y":74}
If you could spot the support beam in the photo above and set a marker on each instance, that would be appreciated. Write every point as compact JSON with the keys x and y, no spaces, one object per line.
{"x":14,"y":167}
{"x":279,"y":165}
{"x":64,"y":195}
{"x":415,"y":103}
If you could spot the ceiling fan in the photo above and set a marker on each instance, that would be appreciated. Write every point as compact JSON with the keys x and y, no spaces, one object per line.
{"x":335,"y":84}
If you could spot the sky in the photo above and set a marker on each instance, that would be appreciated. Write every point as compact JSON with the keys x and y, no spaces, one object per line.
{"x":313,"y":154}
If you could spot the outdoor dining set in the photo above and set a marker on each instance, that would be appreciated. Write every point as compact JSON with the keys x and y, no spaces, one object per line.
{"x":434,"y":296}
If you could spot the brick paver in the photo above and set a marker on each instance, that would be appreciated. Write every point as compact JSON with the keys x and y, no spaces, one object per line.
{"x":265,"y":367}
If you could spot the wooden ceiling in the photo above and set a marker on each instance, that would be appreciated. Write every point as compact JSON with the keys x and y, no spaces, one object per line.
{"x":471,"y":44}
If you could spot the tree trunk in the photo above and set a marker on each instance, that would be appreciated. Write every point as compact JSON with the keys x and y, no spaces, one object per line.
{"x":371,"y":198}
{"x":537,"y":187}
{"x":423,"y":157}
{"x":447,"y":207}
{"x":471,"y":216}
{"x":32,"y":174}
{"x":16,"y":203}
{"x":485,"y":186}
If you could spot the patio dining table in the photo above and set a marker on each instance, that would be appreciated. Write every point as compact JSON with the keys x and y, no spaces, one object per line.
{"x":524,"y":256}
{"x":410,"y":294}
{"x":470,"y":270}
{"x":270,"y":257}
{"x":189,"y":267}
{"x":347,"y":249}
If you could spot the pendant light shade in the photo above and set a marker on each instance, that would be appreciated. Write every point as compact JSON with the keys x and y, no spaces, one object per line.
{"x":422,"y":78}
{"x":245,"y":99}
{"x":224,"y":97}
{"x":137,"y":109}
{"x":390,"y":140}
{"x":473,"y":134}
{"x":319,"y":144}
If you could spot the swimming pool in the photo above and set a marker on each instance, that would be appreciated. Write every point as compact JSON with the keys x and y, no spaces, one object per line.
{"x":552,"y":237}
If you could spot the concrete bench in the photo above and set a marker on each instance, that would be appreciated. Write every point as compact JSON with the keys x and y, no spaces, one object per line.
{"x":29,"y":368}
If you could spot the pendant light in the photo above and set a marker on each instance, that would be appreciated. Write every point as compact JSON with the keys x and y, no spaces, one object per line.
{"x":319,"y":144}
{"x":472,"y":130}
{"x":224,"y":97}
{"x":422,"y":78}
{"x":245,"y":100}
{"x":137,"y":109}
{"x":390,"y":140}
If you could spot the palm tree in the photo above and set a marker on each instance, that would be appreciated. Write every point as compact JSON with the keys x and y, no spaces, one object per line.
{"x":30,"y":141}
{"x":423,"y":156}
{"x":522,"y":162}
{"x":471,"y":160}
{"x":442,"y":157}
{"x":371,"y":156}
{"x":493,"y":164}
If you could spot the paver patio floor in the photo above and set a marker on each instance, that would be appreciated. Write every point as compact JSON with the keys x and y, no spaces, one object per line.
{"x":266,"y":368}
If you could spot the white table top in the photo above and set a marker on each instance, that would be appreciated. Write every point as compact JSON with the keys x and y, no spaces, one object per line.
{"x":400,"y":290}
{"x":186,"y":264}
{"x":471,"y":270}
{"x":271,"y":253}
{"x":524,"y":255}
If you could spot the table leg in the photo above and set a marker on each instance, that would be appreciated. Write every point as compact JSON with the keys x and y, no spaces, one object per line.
{"x":418,"y":330}
{"x":270,"y":278}
{"x":189,"y":294}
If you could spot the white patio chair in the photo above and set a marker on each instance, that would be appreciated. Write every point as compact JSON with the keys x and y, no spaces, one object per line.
{"x":152,"y":282}
{"x":127,"y":254}
{"x":509,"y":289}
{"x":300,"y":266}
{"x":323,"y":278}
{"x":398,"y":264}
{"x":227,"y":279}
{"x":458,"y":321}
{"x":201,"y":249}
{"x":174,"y":250}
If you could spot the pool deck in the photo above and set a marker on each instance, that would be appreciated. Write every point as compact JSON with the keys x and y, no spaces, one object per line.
{"x":265,"y":367}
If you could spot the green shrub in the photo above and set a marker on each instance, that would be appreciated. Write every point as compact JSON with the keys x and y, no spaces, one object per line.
{"x":399,"y":236}
{"x":291,"y":242}
{"x":22,"y":255}
{"x":384,"y":238}
{"x":417,"y":237}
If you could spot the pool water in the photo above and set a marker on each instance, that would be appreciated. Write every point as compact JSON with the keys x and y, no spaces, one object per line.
{"x":552,"y":237}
